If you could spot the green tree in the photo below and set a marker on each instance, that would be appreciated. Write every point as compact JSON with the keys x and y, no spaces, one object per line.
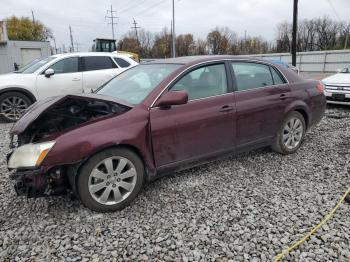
{"x":24,"y":29}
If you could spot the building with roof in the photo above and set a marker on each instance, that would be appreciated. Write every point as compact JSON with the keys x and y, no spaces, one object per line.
{"x":19,"y":53}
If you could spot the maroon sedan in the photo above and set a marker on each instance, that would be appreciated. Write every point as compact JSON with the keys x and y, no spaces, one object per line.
{"x":157,"y":118}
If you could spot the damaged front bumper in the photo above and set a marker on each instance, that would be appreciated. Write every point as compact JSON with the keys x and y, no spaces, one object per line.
{"x":36,"y":183}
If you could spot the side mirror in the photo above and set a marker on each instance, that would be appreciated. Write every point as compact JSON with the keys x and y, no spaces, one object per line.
{"x":49,"y":72}
{"x":172,"y":98}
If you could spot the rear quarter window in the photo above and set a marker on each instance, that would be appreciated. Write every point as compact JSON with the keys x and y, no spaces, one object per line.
{"x":121,"y":62}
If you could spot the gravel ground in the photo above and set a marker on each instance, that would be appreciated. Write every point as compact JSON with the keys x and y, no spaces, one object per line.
{"x":242,"y":208}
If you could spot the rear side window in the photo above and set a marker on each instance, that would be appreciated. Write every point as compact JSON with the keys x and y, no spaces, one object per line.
{"x":67,"y":65}
{"x":251,"y":75}
{"x":121,"y":62}
{"x":91,"y":63}
{"x":277,"y":79}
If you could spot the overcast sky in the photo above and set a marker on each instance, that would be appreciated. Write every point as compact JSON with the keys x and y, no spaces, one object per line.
{"x":87,"y":17}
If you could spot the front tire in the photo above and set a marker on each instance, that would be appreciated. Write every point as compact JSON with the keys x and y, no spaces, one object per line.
{"x":13,"y":105}
{"x":110,"y":180}
{"x":291,"y":134}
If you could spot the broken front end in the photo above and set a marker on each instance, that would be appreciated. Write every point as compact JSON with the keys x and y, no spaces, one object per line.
{"x":35,"y":135}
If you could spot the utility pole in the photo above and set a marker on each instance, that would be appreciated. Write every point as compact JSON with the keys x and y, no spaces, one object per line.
{"x":173,"y":31}
{"x":34,"y":31}
{"x":54,"y":41}
{"x":110,"y":15}
{"x":33,"y":17}
{"x":71,"y":39}
{"x":347,"y":31}
{"x":294,"y":34}
{"x":135,"y":27}
{"x":245,"y":41}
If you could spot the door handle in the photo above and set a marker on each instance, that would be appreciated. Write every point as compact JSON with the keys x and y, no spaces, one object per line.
{"x":226,"y":108}
{"x":76,"y":79}
{"x":283,"y":96}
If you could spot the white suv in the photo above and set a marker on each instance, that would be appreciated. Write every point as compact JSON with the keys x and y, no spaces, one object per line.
{"x":57,"y":75}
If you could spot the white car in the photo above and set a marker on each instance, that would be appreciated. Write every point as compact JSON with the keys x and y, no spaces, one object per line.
{"x":337,"y":87}
{"x":57,"y":75}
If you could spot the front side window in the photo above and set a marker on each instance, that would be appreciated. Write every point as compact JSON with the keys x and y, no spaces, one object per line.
{"x":67,"y":65}
{"x":121,"y":62}
{"x":203,"y":82}
{"x":251,"y":75}
{"x":135,"y":84}
{"x":92,"y":63}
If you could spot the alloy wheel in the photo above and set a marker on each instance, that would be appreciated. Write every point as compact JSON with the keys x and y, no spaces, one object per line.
{"x":112,"y":180}
{"x":13,"y":107}
{"x":293,"y":133}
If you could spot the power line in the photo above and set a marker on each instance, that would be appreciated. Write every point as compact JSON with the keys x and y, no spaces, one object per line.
{"x":151,"y":7}
{"x":334,"y":10}
{"x":131,"y":6}
{"x":110,"y":15}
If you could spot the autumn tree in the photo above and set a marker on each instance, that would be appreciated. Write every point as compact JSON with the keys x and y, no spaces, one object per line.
{"x":24,"y":29}
{"x":201,"y":47}
{"x":129,"y":44}
{"x":185,"y":45}
{"x":162,"y":44}
{"x":220,"y":40}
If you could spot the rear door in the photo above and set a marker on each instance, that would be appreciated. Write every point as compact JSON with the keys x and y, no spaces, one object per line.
{"x":66,"y":80}
{"x":97,"y":70}
{"x":261,"y":96}
{"x":202,"y":127}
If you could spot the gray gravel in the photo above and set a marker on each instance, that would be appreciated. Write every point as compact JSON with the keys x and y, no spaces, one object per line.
{"x":242,"y":208}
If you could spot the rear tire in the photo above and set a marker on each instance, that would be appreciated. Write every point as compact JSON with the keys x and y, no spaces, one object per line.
{"x":291,"y":134}
{"x":13,"y":105}
{"x":110,"y":180}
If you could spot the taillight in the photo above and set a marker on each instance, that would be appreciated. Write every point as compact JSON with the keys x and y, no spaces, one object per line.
{"x":320,"y":88}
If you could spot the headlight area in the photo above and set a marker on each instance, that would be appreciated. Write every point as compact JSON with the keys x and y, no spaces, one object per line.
{"x":29,"y":177}
{"x":29,"y":155}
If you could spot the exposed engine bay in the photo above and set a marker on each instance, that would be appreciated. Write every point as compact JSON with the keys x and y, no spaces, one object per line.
{"x":60,"y":116}
{"x":67,"y":114}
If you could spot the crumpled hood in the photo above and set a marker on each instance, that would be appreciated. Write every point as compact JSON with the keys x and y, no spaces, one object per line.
{"x":340,"y":78}
{"x":40,"y":107}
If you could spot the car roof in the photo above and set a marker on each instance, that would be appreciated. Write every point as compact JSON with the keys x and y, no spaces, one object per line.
{"x":89,"y":54}
{"x":197,"y":59}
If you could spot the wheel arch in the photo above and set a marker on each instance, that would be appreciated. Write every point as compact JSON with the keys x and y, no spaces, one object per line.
{"x":23,"y":91}
{"x":305,"y":115}
{"x":74,"y":170}
{"x":302,"y":108}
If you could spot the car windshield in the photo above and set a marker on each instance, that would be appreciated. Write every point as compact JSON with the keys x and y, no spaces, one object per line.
{"x":345,"y":70}
{"x":35,"y":65}
{"x":135,"y":84}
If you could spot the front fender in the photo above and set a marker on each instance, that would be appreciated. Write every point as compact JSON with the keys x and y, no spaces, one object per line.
{"x":76,"y":145}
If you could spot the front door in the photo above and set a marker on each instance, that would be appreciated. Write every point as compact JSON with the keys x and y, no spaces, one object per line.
{"x":261,"y":97}
{"x":66,"y":80}
{"x":202,"y":127}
